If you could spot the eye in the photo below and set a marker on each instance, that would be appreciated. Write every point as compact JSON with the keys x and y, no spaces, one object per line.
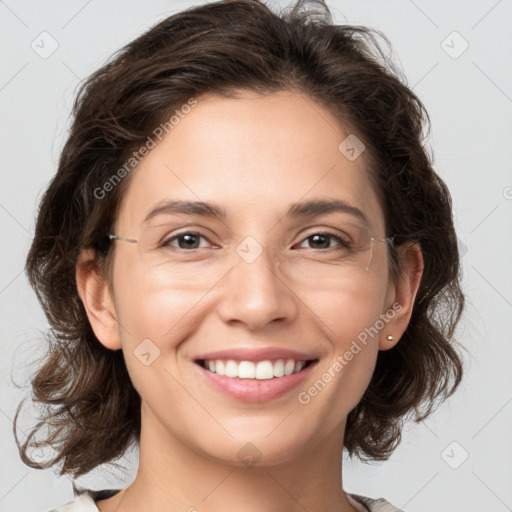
{"x":323,"y":239}
{"x":187,"y":240}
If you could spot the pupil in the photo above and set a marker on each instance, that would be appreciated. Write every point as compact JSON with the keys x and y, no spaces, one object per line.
{"x":316,"y":237}
{"x":189,"y":239}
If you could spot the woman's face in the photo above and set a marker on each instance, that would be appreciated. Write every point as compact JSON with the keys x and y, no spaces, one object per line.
{"x":253,"y":285}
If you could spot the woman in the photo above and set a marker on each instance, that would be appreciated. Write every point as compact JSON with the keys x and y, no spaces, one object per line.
{"x":193,"y":313}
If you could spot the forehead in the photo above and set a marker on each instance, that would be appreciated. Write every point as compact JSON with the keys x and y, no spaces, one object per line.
{"x":254,"y":155}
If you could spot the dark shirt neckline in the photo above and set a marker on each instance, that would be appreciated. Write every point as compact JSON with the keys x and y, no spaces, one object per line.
{"x":108,"y":493}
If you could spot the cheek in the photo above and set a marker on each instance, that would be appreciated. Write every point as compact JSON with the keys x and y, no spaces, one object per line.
{"x":351,"y":321}
{"x":346,"y":312}
{"x":151,"y":305}
{"x":155,"y":316}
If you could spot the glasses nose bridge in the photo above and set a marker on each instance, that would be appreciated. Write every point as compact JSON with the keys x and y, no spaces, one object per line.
{"x":255,"y":256}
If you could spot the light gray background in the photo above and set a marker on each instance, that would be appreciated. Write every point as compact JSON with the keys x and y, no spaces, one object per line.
{"x":469,"y":99}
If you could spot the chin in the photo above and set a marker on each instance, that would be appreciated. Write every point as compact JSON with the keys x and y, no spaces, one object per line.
{"x":257,"y":447}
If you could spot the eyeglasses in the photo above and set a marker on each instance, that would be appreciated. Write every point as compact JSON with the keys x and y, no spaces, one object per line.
{"x":350,"y":253}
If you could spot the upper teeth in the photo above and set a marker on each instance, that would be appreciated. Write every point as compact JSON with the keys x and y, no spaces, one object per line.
{"x":250,"y":370}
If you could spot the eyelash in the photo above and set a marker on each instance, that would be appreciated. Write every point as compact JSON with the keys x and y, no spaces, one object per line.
{"x":344,"y":244}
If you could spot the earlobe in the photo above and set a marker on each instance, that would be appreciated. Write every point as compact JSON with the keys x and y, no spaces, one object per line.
{"x":403,"y":294}
{"x":96,"y":298}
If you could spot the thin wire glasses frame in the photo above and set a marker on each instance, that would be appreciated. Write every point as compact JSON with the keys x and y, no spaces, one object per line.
{"x":388,"y":240}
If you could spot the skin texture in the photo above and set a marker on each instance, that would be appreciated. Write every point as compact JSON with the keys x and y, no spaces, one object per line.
{"x":254,"y":156}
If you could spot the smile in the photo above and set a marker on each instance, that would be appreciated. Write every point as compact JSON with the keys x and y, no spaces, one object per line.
{"x":261,"y":370}
{"x":255,"y":381}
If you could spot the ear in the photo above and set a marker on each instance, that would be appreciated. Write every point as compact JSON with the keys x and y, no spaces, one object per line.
{"x":96,"y":298}
{"x":402,"y":294}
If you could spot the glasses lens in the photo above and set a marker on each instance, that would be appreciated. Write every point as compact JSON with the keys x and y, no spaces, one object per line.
{"x":322,"y":257}
{"x":332,"y":257}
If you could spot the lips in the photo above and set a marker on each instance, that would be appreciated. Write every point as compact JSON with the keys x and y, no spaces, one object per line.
{"x":257,"y":354}
{"x":255,"y":374}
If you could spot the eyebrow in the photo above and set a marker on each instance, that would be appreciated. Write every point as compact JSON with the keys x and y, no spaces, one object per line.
{"x":206,"y":209}
{"x":323,"y":206}
{"x":306,"y":209}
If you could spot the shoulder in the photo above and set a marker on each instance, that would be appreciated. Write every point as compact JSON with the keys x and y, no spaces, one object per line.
{"x":85,"y":500}
{"x":375,"y":505}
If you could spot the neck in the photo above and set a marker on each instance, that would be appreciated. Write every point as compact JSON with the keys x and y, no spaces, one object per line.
{"x":172,"y":476}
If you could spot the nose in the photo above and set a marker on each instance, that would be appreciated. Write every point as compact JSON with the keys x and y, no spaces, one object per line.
{"x":256,"y":294}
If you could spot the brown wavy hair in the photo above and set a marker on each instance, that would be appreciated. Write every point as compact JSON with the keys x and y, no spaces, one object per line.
{"x":85,"y":397}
